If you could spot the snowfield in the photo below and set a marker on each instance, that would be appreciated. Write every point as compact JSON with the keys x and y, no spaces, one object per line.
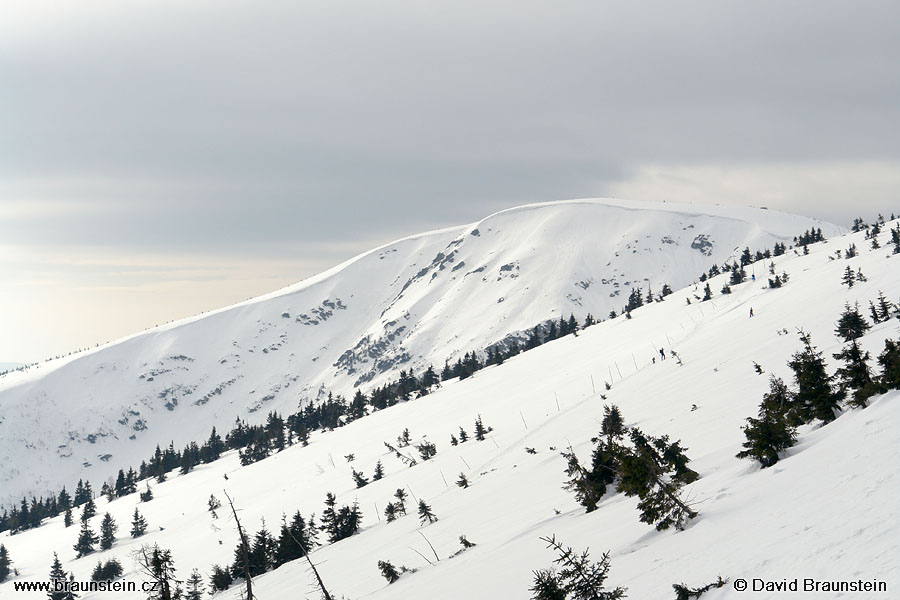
{"x":828,"y":511}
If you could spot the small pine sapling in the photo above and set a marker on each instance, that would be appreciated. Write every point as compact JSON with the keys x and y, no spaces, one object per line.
{"x":463,"y":481}
{"x":426,"y":515}
{"x":388,"y":571}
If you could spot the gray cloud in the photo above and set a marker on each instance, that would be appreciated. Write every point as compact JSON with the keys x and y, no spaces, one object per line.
{"x":265,"y":130}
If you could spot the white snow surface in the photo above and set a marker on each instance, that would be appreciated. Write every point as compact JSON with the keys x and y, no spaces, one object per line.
{"x":418,"y":301}
{"x":827,"y":511}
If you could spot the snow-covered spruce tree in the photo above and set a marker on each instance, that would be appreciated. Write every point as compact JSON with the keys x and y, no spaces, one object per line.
{"x":578,"y":577}
{"x":589,"y":486}
{"x":815,"y":395}
{"x":108,"y":529}
{"x":67,"y":518}
{"x":86,"y":540}
{"x":138,"y":524}
{"x":388,"y":571}
{"x":771,"y":433}
{"x":426,"y":515}
{"x":889,"y":360}
{"x":707,"y":293}
{"x":379,"y":471}
{"x":5,"y":562}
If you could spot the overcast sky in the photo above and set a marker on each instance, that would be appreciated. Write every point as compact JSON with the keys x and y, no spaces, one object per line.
{"x":162,"y":158}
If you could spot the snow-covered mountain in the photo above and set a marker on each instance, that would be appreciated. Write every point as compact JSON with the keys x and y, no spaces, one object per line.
{"x":827,"y":511}
{"x":420,"y":300}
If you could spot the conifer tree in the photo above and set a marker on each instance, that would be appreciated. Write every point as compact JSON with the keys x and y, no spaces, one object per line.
{"x":67,"y":518}
{"x":111,"y":569}
{"x":463,"y":436}
{"x":855,"y":375}
{"x":359,"y":478}
{"x":195,"y":587}
{"x":889,"y":360}
{"x":147,"y":496}
{"x":379,"y":471}
{"x":108,"y":529}
{"x":262,"y":552}
{"x":849,"y":277}
{"x":425,"y":513}
{"x":57,"y":580}
{"x":158,"y":565}
{"x":5,"y":563}
{"x":815,"y":396}
{"x":771,"y":433}
{"x":578,"y":578}
{"x":390,"y":512}
{"x":707,"y":293}
{"x":213,"y":504}
{"x":655,"y":471}
{"x":885,"y":307}
{"x":89,"y":510}
{"x":138,"y":524}
{"x":463,"y":481}
{"x":400,"y":495}
{"x":480,"y":429}
{"x":546,"y":586}
{"x":388,"y":571}
{"x":64,"y":501}
{"x":586,"y":491}
{"x":293,"y":541}
{"x":851,"y":324}
{"x":220,"y":579}
{"x":86,"y":540}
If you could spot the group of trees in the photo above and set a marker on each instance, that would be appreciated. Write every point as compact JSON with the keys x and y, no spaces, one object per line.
{"x":87,"y":538}
{"x":256,"y":442}
{"x":816,"y":394}
{"x":652,"y":468}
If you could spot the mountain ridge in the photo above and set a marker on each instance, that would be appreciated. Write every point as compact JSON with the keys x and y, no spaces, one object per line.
{"x":420,"y":299}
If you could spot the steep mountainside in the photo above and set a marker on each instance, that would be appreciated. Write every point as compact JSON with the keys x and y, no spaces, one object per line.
{"x":416,"y":301}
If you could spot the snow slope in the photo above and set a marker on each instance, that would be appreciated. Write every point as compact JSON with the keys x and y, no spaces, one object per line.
{"x":828,"y":510}
{"x":420,"y":300}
